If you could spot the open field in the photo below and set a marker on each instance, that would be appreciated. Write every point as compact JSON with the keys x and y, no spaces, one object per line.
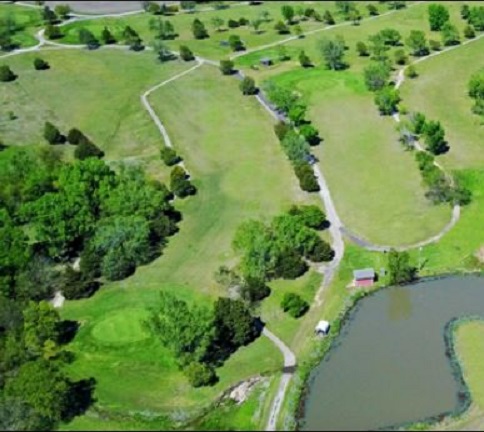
{"x":27,"y":21}
{"x":464,"y":130}
{"x":98,"y":92}
{"x":211,"y":47}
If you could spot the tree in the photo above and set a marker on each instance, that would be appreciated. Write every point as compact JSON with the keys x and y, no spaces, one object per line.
{"x":372,"y":10}
{"x":186,"y":54}
{"x":298,"y":31}
{"x":400,"y":271}
{"x":186,"y":330}
{"x":411,"y":72}
{"x":231,"y":23}
{"x":164,"y":30}
{"x":282,"y":97}
{"x":378,"y":47}
{"x":434,"y":136}
{"x":254,"y":290}
{"x":243,"y":21}
{"x":296,"y":113}
{"x":200,"y":374}
{"x":289,"y":264}
{"x":307,"y":179}
{"x":179,"y":183}
{"x":304,"y":59}
{"x":247,"y":86}
{"x":464,"y":11}
{"x":6,"y":74}
{"x":87,"y":38}
{"x":391,"y":36}
{"x":162,"y":51}
{"x":450,"y":34}
{"x":295,"y":147}
{"x":255,"y":24}
{"x":51,"y":134}
{"x":344,"y":7}
{"x":198,"y":29}
{"x":132,"y":39}
{"x":294,"y":305}
{"x":362,"y":49}
{"x":328,"y":18}
{"x":417,"y":43}
{"x":234,"y":326}
{"x":86,"y":149}
{"x":309,"y":215}
{"x":282,"y":53}
{"x":217,"y":23}
{"x":476,"y":17}
{"x":75,"y":136}
{"x":281,"y":129}
{"x":354,"y":16}
{"x":188,"y":5}
{"x":235,"y":43}
{"x":396,"y":4}
{"x":265,"y":16}
{"x":52,"y":31}
{"x":469,"y":32}
{"x":476,"y":91}
{"x":387,"y":100}
{"x":417,"y":122}
{"x":169,"y":156}
{"x":281,"y":28}
{"x":438,"y":16}
{"x":48,"y":15}
{"x":332,"y":51}
{"x":376,"y":76}
{"x":287,"y":12}
{"x":227,"y":67}
{"x":63,"y":10}
{"x":310,"y":134}
{"x":40,"y":64}
{"x":400,"y":57}
{"x":41,"y":324}
{"x":107,"y":37}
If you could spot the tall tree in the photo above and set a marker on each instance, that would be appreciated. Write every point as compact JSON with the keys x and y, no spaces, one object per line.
{"x":400,"y":271}
{"x":438,"y":16}
{"x":417,"y":43}
{"x":332,"y":51}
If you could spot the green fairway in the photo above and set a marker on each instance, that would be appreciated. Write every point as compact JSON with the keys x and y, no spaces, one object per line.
{"x":211,"y":47}
{"x":27,"y":21}
{"x":375,"y":184}
{"x":452,"y":107}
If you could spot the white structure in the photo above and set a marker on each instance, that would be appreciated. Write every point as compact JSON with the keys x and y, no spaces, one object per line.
{"x":322,"y":328}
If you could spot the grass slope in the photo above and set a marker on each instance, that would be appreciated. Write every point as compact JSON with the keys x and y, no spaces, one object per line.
{"x":452,"y":71}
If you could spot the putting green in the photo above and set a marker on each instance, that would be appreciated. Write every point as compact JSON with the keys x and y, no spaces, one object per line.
{"x":123,"y":326}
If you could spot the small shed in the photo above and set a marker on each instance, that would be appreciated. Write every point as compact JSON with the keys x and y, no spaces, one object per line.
{"x":364,"y":277}
{"x":266,"y":61}
{"x":322,"y":328}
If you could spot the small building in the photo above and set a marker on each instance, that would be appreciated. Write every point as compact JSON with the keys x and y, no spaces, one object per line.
{"x":266,"y":61}
{"x":364,"y":277}
{"x":322,"y":328}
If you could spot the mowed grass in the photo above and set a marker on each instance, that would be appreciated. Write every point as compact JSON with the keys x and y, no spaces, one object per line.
{"x":97,"y":92}
{"x":27,"y":20}
{"x":240,"y":172}
{"x":441,"y":93}
{"x":210,"y":47}
{"x":374,"y":183}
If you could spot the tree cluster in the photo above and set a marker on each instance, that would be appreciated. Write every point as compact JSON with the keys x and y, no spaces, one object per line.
{"x":476,"y":92}
{"x":201,"y":338}
{"x":280,"y":249}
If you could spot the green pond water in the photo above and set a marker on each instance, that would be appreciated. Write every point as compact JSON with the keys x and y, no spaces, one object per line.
{"x":388,"y":365}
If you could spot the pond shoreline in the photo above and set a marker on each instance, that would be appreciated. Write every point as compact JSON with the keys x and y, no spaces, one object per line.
{"x":326,"y":346}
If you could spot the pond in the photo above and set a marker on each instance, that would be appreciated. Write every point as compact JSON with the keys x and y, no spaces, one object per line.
{"x":388,"y":365}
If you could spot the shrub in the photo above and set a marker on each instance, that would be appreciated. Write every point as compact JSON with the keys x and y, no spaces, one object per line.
{"x":51,"y":134}
{"x":243,"y":21}
{"x":40,"y":64}
{"x":235,"y":43}
{"x":186,"y":54}
{"x":6,"y":74}
{"x":469,"y":32}
{"x":362,"y":49}
{"x":387,"y":100}
{"x":310,"y":134}
{"x":231,"y":23}
{"x":304,"y":60}
{"x":247,"y":86}
{"x":307,"y":179}
{"x":169,"y":156}
{"x":52,"y":32}
{"x":411,"y":72}
{"x":281,"y":28}
{"x":294,"y":304}
{"x":281,"y":129}
{"x":434,"y":45}
{"x":400,"y":57}
{"x":227,"y":67}
{"x":107,"y":37}
{"x":199,"y":374}
{"x":87,"y":149}
{"x":198,"y":29}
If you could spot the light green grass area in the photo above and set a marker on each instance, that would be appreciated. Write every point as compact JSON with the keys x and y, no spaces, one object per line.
{"x":27,"y":20}
{"x":451,"y":71}
{"x":97,"y":92}
{"x":456,"y":250}
{"x":210,"y":47}
{"x":240,"y":172}
{"x":374,"y":183}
